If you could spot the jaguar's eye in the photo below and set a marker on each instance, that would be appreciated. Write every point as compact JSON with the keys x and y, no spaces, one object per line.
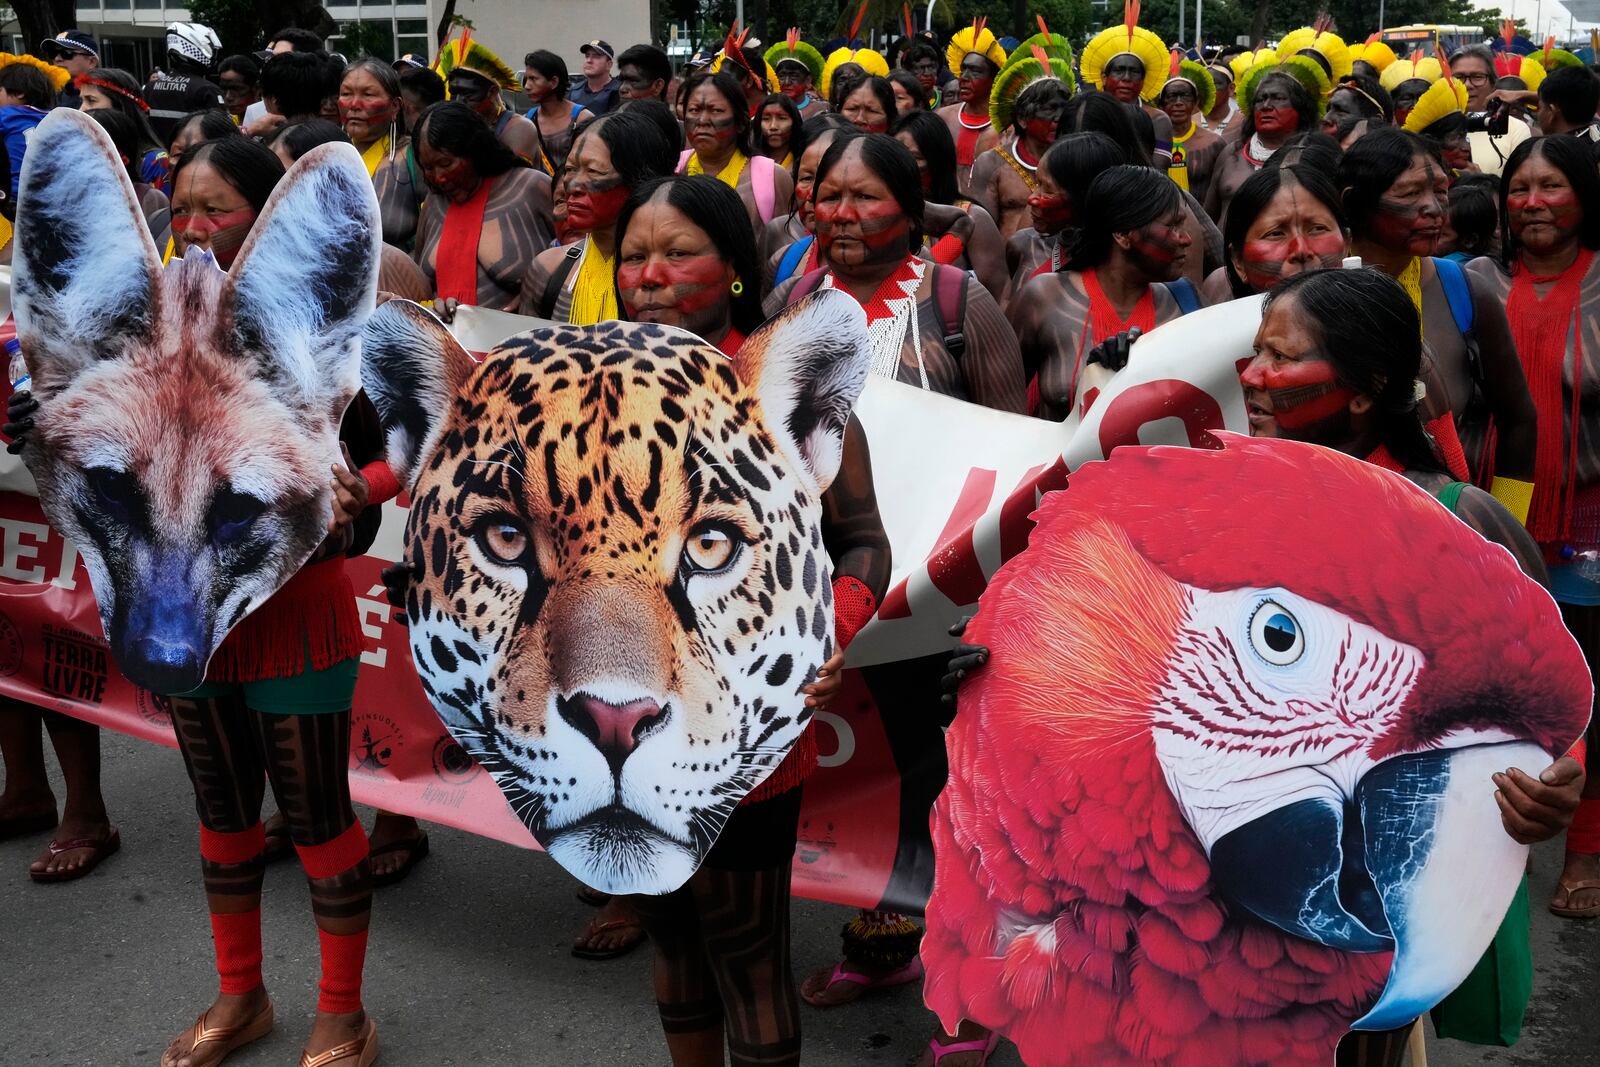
{"x":503,"y":540}
{"x":711,"y":549}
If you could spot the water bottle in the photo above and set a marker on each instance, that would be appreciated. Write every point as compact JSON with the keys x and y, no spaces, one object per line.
{"x":19,"y":376}
{"x":1585,"y":564}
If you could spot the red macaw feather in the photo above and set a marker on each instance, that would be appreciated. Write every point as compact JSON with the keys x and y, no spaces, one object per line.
{"x":1549,"y":43}
{"x":911,"y":29}
{"x":1508,"y":32}
{"x":1177,"y":60}
{"x":1374,"y":37}
{"x":793,"y":38}
{"x":1130,"y":17}
{"x":1042,"y":27}
{"x":1043,"y":58}
{"x":855,"y":26}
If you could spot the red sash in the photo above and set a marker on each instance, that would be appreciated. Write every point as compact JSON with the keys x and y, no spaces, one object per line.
{"x":455,"y":264}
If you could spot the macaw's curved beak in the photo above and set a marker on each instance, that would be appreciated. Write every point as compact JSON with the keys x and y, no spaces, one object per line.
{"x":1415,"y":862}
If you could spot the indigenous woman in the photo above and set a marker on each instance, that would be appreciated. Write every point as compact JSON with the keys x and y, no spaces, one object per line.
{"x":869,"y":210}
{"x":959,"y":232}
{"x":1027,"y":103}
{"x":907,"y":93}
{"x":974,"y":57}
{"x":776,"y":129}
{"x":1065,"y":173}
{"x":1285,"y":220}
{"x":798,"y":67}
{"x":1188,"y":95}
{"x":869,"y":106}
{"x":107,"y":88}
{"x":1440,"y":118}
{"x":791,"y":239}
{"x":723,"y":973}
{"x":1279,"y":99}
{"x":556,"y":120}
{"x":1130,"y":238}
{"x":612,"y":156}
{"x":1224,"y":110}
{"x":717,"y":124}
{"x":476,"y":77}
{"x":1548,"y":279}
{"x":276,"y":704}
{"x":487,"y":214}
{"x":1394,"y":197}
{"x":369,"y":111}
{"x":153,"y":202}
{"x":1406,"y":80}
{"x":1358,"y":104}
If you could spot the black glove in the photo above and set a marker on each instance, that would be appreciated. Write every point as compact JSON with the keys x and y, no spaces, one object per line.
{"x":19,"y":419}
{"x":963,"y":661}
{"x":1112,"y":353}
{"x":397,"y":579}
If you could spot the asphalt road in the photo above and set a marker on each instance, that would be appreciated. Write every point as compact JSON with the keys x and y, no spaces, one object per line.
{"x":469,"y":963}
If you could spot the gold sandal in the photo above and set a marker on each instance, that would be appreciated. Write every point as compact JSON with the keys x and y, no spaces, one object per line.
{"x":364,"y":1046}
{"x":231,"y":1038}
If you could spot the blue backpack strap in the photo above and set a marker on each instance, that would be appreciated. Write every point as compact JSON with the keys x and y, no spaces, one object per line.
{"x":1183,"y":291}
{"x":1456,"y":291}
{"x":791,"y":259}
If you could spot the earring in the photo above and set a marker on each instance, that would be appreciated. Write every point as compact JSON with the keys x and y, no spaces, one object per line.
{"x":736,"y":288}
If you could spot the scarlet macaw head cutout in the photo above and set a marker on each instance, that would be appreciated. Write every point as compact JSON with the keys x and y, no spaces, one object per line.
{"x":188,"y":417}
{"x":622,"y":584}
{"x":1225,"y":782}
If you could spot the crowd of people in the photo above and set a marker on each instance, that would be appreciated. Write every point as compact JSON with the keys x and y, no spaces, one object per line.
{"x":1012,"y":215}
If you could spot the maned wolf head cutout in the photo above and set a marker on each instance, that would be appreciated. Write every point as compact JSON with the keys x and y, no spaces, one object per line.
{"x":622,"y":584}
{"x":187,"y":417}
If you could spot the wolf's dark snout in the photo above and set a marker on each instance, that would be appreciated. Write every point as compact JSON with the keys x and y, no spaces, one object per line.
{"x":163,"y":648}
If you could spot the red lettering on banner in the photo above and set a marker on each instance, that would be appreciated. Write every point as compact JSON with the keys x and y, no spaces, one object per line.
{"x":953,"y":563}
{"x":1148,"y":402}
{"x":1016,"y":514}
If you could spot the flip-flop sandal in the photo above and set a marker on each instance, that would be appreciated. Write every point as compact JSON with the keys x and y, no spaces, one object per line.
{"x":98,"y":850}
{"x":416,"y":849}
{"x":23,"y":825}
{"x":984,"y":1045}
{"x":911,"y":972}
{"x":621,"y":950}
{"x":1566,"y":889}
{"x":230,"y":1038}
{"x":364,"y":1047}
{"x":593,"y":897}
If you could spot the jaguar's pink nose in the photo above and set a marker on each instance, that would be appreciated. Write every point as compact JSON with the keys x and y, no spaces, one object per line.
{"x":614,"y":729}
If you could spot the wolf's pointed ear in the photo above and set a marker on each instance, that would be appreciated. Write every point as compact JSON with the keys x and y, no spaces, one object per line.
{"x":411,"y":369}
{"x":808,"y":365}
{"x":84,"y":269}
{"x":306,"y":278}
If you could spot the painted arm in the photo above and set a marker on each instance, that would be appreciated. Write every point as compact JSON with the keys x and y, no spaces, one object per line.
{"x":986,"y":253}
{"x":852,"y":530}
{"x":992,"y":363}
{"x":983,"y":183}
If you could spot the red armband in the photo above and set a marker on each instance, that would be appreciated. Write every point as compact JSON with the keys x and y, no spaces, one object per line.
{"x":947,"y":249}
{"x":381,"y":483}
{"x":853,"y":607}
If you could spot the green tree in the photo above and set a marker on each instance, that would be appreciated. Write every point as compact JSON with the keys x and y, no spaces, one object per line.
{"x":243,"y":25}
{"x":366,"y":38}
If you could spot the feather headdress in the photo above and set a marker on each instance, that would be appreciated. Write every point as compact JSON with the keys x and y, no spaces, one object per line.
{"x":1018,"y":77}
{"x":464,"y":53}
{"x":975,"y":38}
{"x":792,"y":49}
{"x":1128,"y":39}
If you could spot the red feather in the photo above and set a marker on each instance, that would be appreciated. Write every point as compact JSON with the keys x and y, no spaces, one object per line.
{"x":793,"y":38}
{"x":1042,"y":27}
{"x":855,"y":26}
{"x":1043,"y":58}
{"x":1177,"y":60}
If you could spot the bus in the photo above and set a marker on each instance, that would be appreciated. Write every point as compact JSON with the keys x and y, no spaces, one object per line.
{"x":1405,"y":39}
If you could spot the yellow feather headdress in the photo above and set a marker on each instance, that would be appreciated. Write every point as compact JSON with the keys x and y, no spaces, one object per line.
{"x":1427,"y":68}
{"x":59,"y":76}
{"x":1128,"y":39}
{"x":871,"y":62}
{"x":1329,"y":46}
{"x":1444,"y":97}
{"x":975,"y":38}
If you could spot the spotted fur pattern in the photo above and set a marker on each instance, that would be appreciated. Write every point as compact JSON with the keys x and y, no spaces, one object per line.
{"x":611,"y":518}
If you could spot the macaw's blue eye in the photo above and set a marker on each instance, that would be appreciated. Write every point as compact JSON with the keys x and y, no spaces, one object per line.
{"x":1276,"y":635}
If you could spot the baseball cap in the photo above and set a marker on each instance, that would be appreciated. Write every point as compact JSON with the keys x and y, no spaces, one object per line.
{"x":411,"y":61}
{"x":599,"y":46}
{"x":70,"y":41}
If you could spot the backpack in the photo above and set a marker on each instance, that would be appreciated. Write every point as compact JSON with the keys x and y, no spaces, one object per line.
{"x":1183,"y":292}
{"x":558,"y":278}
{"x":949,"y":301}
{"x":792,"y":257}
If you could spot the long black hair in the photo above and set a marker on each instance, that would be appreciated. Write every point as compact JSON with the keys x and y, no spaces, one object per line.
{"x":1369,"y":330}
{"x":880,"y":88}
{"x":1098,"y":112}
{"x":717,"y":210}
{"x":244,"y":163}
{"x":728,"y":85}
{"x":757,"y":139}
{"x":1122,"y":198}
{"x":298,"y":138}
{"x":1299,"y":98}
{"x":1571,"y":156}
{"x":1475,"y":213}
{"x":124,"y":137}
{"x":908,"y":81}
{"x":938,"y":150}
{"x":215,"y":125}
{"x":451,"y":126}
{"x":1076,"y":160}
{"x":1371,"y":166}
{"x":639,"y":150}
{"x":891,"y":161}
{"x":1254,"y":196}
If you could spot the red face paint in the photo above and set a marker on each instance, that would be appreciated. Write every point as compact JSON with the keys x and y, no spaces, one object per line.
{"x":374,"y":113}
{"x":1411,"y":215}
{"x":1294,"y":395}
{"x":1040,"y":130}
{"x":929,"y":82}
{"x":452,"y":177}
{"x":1541,"y":207}
{"x":1051,"y":212}
{"x":1159,"y":250}
{"x":851,"y":231}
{"x":223,"y":235}
{"x":973,"y":89}
{"x":685,"y":291}
{"x":594,"y":205}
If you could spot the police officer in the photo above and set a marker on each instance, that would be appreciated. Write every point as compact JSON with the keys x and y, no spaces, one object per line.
{"x":184,"y":85}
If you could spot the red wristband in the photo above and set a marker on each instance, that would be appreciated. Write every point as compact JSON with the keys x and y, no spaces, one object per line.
{"x":381,"y":483}
{"x":853,"y":607}
{"x":1580,"y":752}
{"x":947,"y":249}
